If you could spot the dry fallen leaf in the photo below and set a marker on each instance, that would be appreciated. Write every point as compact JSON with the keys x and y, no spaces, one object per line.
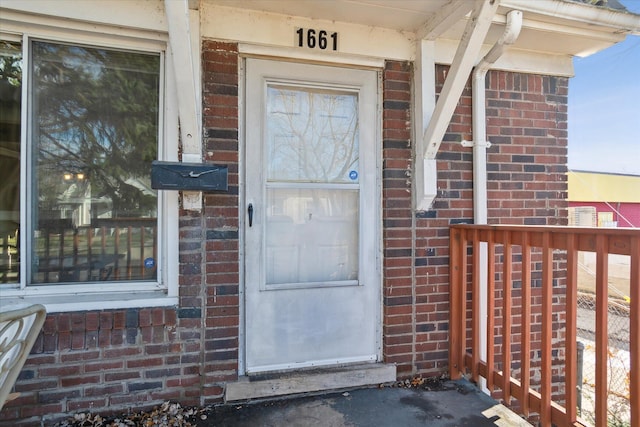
{"x":166,"y":415}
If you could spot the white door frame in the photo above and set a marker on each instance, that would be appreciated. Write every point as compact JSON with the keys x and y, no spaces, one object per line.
{"x":375,"y":207}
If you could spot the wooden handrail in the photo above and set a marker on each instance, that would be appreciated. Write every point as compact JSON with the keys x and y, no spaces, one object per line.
{"x":548,"y":257}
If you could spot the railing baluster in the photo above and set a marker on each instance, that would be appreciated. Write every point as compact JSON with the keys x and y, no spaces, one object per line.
{"x":571,"y":350}
{"x":634,"y":332}
{"x":76,"y":244}
{"x":464,"y":262}
{"x":116,"y":253}
{"x":5,"y":252}
{"x":129,"y":245}
{"x":602,"y":339}
{"x":491,"y":315}
{"x":547,"y":312}
{"x":103,"y":241}
{"x":525,"y":323}
{"x":47,"y":253}
{"x":60,"y":231}
{"x":89,"y":251}
{"x":475,"y":307}
{"x":506,"y":317}
{"x":155,"y":244}
{"x":141,"y":263}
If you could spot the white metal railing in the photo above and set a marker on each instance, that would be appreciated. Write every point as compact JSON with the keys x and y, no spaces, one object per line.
{"x":19,"y":328}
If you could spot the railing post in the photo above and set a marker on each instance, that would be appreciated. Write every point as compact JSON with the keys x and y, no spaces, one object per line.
{"x":602,"y":336}
{"x":547,"y":320}
{"x":573,"y":359}
{"x":475,"y":307}
{"x":525,"y":323}
{"x":634,"y":332}
{"x":491,"y":291}
{"x":456,"y":318}
{"x":507,"y":274}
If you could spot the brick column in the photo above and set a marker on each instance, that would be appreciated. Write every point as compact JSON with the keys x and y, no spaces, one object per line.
{"x":222,"y":304}
{"x":398,"y":289}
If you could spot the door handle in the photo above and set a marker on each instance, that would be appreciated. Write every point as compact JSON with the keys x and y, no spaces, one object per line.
{"x":250,"y":212}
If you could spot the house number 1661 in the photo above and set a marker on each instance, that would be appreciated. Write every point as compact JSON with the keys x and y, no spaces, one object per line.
{"x":317,"y":39}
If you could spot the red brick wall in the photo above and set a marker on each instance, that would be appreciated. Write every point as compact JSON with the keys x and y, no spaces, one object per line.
{"x":398,"y":342}
{"x":527,"y":125}
{"x":116,"y":359}
{"x":527,"y":122}
{"x":108,"y":359}
{"x":221,"y":252}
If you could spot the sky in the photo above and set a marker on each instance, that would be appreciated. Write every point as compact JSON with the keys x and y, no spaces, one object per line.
{"x":604,"y":108}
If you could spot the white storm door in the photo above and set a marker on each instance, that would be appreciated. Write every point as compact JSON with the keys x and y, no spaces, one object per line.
{"x":312,"y":280}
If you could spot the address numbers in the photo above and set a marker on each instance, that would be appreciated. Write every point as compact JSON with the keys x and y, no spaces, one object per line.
{"x":317,"y":39}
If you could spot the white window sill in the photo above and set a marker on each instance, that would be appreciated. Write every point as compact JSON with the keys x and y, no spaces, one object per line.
{"x":91,"y":301}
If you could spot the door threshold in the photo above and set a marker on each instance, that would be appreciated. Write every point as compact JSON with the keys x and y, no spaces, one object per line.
{"x":309,"y":381}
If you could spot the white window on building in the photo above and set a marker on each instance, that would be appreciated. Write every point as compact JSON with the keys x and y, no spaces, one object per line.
{"x":80,"y":125}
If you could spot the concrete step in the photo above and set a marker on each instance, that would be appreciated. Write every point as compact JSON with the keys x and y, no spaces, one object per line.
{"x":308,"y":381}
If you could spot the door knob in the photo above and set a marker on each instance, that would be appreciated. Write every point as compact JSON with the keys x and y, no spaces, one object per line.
{"x":250,"y":212}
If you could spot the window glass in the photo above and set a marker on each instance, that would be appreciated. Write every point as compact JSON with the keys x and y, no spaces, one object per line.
{"x":312,"y":135}
{"x":295,"y":218}
{"x":10,"y":110}
{"x":94,"y":124}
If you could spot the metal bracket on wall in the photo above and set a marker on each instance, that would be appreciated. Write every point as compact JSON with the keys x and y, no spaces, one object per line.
{"x":466,"y":143}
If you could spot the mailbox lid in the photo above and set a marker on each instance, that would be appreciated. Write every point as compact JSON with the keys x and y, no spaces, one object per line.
{"x":188,"y":176}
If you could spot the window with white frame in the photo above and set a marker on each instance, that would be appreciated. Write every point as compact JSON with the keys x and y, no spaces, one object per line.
{"x":80,"y":125}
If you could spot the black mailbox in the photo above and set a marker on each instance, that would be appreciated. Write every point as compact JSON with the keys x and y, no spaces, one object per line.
{"x":188,"y":176}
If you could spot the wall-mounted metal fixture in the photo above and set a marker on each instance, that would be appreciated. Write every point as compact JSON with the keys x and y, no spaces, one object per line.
{"x":188,"y":176}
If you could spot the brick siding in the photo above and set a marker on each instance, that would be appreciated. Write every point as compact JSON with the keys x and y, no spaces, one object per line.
{"x":222,"y":267}
{"x":117,"y":359}
{"x":398,"y":280}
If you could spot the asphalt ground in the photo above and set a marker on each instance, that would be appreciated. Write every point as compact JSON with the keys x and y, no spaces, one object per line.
{"x":449,"y":404}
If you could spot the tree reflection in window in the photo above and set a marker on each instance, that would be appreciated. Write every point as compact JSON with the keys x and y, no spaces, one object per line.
{"x":312,"y":134}
{"x":10,"y":121}
{"x":95,"y":126}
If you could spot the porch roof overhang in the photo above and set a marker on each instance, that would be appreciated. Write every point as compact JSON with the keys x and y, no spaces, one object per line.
{"x":584,"y":29}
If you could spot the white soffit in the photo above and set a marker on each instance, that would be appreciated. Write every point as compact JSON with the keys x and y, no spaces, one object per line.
{"x":270,"y":29}
{"x":266,"y":31}
{"x":547,"y":34}
{"x":399,"y":15}
{"x":126,"y":14}
{"x":552,"y":27}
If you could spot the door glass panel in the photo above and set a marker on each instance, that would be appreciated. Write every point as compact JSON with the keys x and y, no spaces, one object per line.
{"x":312,"y":135}
{"x":311,"y":235}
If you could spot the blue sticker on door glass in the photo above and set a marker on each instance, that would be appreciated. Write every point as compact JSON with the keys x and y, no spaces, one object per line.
{"x":353,"y":175}
{"x":149,"y":263}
